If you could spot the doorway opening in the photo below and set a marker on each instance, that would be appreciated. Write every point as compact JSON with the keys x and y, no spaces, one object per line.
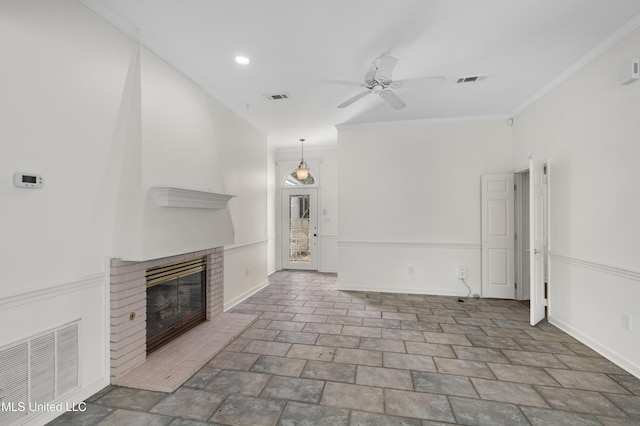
{"x":514,"y":237}
{"x":521,"y":211}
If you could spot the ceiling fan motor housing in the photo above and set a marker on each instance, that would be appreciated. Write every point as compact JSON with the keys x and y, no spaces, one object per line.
{"x":384,"y":66}
{"x":378,"y":80}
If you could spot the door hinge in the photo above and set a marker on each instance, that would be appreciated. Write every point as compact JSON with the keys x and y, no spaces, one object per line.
{"x":515,"y":236}
{"x":545,"y":302}
{"x":515,"y":187}
{"x":516,"y":285}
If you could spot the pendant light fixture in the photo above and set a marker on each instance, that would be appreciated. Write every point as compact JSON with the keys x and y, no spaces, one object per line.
{"x":302,"y":172}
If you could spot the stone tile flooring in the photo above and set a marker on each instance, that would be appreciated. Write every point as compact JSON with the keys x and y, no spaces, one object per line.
{"x":318,"y":356}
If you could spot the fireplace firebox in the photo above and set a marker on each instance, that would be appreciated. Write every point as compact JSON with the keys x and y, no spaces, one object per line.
{"x":176,"y":300}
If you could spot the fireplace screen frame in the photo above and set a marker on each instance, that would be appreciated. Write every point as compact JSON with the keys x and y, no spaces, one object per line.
{"x":166,"y":274}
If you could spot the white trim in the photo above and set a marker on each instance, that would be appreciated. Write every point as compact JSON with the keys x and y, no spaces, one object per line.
{"x":243,"y":246}
{"x":52,"y":291}
{"x":614,"y":357}
{"x":600,"y":48}
{"x":239,"y":299}
{"x":420,"y":121}
{"x":272,"y":250}
{"x":107,"y":318}
{"x":189,"y":198}
{"x":596,"y":266}
{"x":404,"y":244}
{"x":403,"y":290}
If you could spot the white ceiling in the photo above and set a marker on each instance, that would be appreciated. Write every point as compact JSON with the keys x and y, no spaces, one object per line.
{"x":523,"y":46}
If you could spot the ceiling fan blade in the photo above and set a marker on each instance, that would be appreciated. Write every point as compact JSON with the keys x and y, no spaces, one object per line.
{"x":384,"y":65}
{"x":353,"y":99}
{"x":392,"y":99}
{"x":414,"y":83}
{"x":342,"y":82}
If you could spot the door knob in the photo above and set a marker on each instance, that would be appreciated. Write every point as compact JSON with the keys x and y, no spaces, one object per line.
{"x":534,"y":251}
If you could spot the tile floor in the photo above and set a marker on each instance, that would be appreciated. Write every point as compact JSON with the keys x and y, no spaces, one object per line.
{"x":318,"y":356}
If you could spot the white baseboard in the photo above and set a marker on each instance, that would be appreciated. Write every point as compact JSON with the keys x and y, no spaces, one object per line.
{"x":239,"y":299}
{"x":404,"y":290}
{"x":620,"y":361}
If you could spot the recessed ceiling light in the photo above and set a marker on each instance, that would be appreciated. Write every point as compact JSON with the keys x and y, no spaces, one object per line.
{"x":242,"y":60}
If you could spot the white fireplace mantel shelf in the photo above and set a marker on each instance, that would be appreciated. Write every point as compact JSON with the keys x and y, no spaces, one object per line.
{"x":189,"y":198}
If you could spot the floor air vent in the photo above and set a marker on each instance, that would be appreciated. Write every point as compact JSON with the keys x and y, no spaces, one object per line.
{"x":38,"y":371}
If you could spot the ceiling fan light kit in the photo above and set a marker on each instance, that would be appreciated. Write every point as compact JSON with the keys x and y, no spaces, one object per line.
{"x":378,"y":80}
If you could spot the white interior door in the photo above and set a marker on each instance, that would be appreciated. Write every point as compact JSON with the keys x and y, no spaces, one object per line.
{"x":299,"y":229}
{"x":498,"y":279}
{"x":537,"y":237}
{"x":522,"y":273}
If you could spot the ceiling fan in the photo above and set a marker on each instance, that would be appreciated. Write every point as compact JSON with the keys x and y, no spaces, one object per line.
{"x":378,"y":80}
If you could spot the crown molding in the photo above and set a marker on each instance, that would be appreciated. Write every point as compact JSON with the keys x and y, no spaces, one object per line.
{"x":630,"y":26}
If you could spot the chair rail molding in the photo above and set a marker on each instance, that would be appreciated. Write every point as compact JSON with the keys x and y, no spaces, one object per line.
{"x":55,"y":290}
{"x":244,"y":246}
{"x":597,"y":266}
{"x":407,"y":244}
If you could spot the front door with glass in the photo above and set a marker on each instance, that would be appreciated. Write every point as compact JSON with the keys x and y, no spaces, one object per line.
{"x":299,"y":229}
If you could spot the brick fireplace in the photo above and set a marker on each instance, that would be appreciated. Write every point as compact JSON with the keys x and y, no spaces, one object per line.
{"x":128,"y":304}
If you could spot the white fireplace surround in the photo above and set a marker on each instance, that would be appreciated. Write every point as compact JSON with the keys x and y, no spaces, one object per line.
{"x":188,"y":198}
{"x":128,"y":304}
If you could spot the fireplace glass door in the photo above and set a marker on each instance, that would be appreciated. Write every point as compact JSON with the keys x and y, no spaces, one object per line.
{"x":175,"y":300}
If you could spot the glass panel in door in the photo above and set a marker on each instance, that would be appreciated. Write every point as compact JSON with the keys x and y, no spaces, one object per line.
{"x":299,"y":229}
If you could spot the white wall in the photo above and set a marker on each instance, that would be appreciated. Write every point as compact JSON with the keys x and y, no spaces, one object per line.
{"x":324,"y":167}
{"x":244,"y":165}
{"x":76,"y":101}
{"x":58,"y":122}
{"x":588,"y":128}
{"x":61,"y":98}
{"x":409,"y":203}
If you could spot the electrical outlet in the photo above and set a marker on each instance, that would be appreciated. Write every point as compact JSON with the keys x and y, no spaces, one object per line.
{"x":462,"y":272}
{"x":626,"y":321}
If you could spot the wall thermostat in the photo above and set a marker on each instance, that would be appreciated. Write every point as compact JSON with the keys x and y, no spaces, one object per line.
{"x":28,"y":180}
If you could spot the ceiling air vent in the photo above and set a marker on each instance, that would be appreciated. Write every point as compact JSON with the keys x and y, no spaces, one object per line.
{"x":471,"y":79}
{"x":277,"y":96}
